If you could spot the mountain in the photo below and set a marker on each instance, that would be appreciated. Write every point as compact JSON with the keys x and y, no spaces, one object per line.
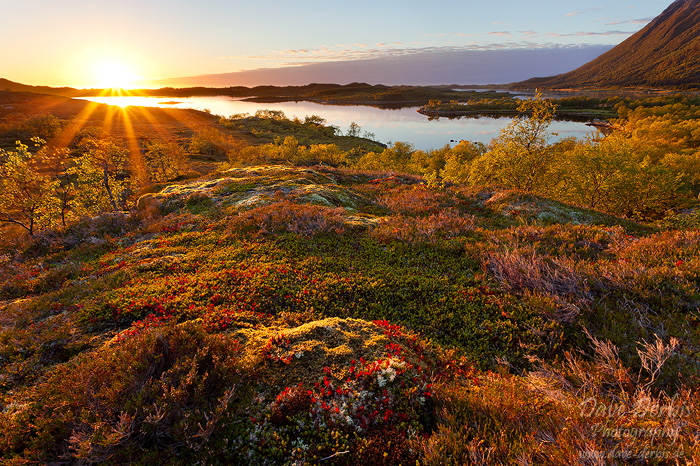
{"x":666,"y":54}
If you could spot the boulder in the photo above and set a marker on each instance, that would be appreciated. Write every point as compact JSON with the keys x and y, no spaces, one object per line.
{"x":148,"y":201}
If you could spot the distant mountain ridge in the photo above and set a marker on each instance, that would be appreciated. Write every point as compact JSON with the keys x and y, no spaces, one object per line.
{"x":664,"y":54}
{"x":7,"y":85}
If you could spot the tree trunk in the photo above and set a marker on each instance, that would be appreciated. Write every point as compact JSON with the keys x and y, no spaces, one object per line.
{"x":105,"y":180}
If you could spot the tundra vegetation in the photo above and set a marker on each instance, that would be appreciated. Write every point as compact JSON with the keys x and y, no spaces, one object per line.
{"x":259,"y":290}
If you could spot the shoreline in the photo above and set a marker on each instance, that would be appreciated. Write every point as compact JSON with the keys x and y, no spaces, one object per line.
{"x":460,"y":113}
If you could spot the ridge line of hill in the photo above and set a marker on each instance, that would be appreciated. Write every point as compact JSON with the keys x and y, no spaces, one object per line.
{"x":664,"y":54}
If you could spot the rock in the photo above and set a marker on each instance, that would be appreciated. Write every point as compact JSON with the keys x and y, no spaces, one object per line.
{"x":148,"y":201}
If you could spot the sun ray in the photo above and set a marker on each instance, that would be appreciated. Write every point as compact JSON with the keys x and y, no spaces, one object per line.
{"x":66,"y":136}
{"x":136,"y":159}
{"x":109,"y":118}
{"x":154,"y":122}
{"x":189,"y":118}
{"x":53,"y":105}
{"x":46,"y":108}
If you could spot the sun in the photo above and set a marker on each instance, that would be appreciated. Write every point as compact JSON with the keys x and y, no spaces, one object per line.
{"x":113,"y":73}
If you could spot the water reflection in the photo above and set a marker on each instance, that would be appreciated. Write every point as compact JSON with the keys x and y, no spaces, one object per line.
{"x":387,"y":125}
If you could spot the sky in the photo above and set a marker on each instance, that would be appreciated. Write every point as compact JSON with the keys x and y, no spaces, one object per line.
{"x":97,"y":43}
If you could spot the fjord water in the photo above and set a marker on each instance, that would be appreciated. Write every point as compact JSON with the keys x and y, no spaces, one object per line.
{"x":387,"y":125}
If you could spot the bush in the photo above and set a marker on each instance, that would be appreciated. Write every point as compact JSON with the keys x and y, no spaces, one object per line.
{"x":164,"y":385}
{"x":284,"y":216}
{"x":44,"y":127}
{"x":443,"y":225}
{"x":210,"y":143}
{"x":199,"y":202}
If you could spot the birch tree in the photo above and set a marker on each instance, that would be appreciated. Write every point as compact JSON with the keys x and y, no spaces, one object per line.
{"x":26,"y":195}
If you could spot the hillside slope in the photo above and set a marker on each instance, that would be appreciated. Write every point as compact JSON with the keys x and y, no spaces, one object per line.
{"x":291,"y":316}
{"x":7,"y":85}
{"x":666,"y":53}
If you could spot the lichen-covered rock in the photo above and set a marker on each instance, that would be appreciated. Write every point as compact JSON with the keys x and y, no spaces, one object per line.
{"x":250,"y":187}
{"x":148,"y":202}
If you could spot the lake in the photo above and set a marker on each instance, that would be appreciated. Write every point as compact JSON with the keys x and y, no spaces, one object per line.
{"x":388,"y":125}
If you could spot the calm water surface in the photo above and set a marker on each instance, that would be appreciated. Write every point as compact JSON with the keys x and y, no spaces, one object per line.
{"x":388,"y":125}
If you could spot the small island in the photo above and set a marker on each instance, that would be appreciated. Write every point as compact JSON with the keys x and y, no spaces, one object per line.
{"x":567,"y":107}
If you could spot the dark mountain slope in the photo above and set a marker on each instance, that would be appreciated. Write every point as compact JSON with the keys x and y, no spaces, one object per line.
{"x":666,"y":53}
{"x":7,"y":85}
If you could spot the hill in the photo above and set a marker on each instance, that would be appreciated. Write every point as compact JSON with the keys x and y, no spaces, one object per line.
{"x":7,"y":85}
{"x":349,"y":94}
{"x":664,"y":54}
{"x":281,"y":315}
{"x":286,"y":304}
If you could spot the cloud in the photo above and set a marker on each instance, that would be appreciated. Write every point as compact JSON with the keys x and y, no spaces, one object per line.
{"x":480,"y":64}
{"x":590,"y":33}
{"x":340,"y":52}
{"x":449,"y":34}
{"x":630,"y":21}
{"x":576,"y":13}
{"x":500,"y":33}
